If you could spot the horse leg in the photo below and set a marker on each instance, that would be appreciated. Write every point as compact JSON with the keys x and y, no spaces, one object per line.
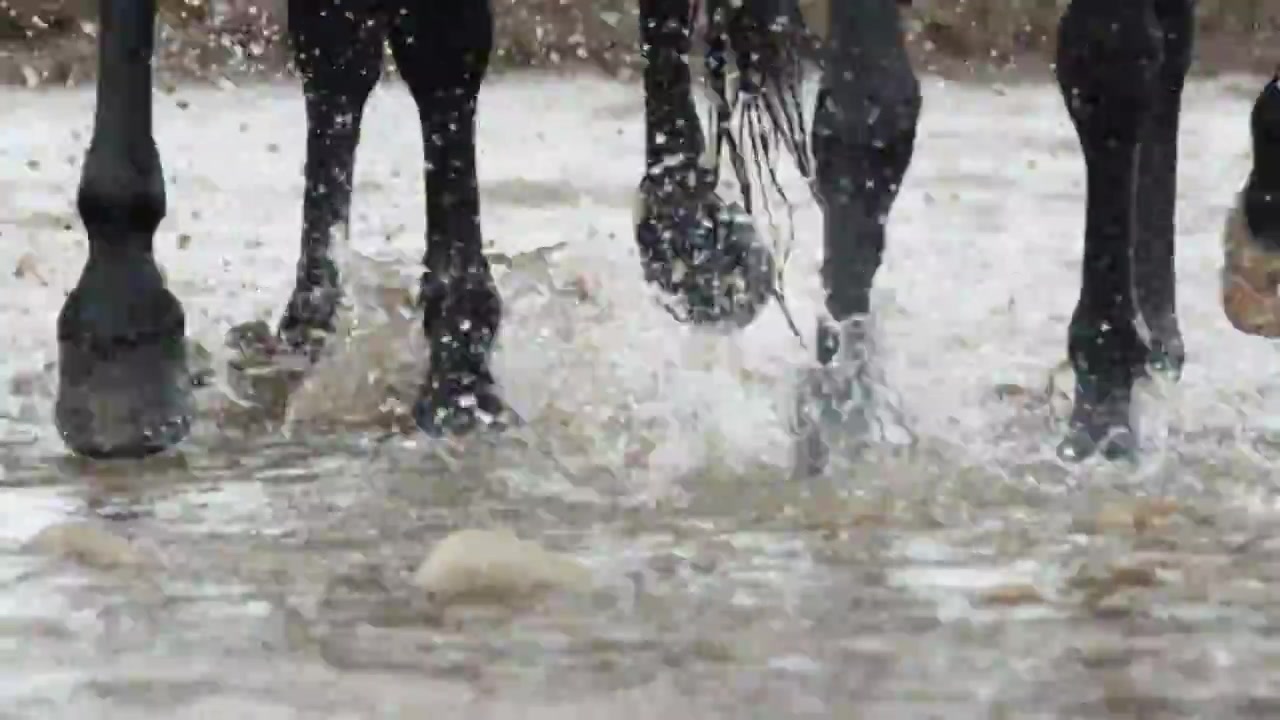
{"x":691,"y":245}
{"x":1251,"y":238}
{"x":123,"y":386}
{"x":337,"y":46}
{"x":1153,"y":252}
{"x":442,"y":50}
{"x":1109,"y":57}
{"x":864,"y":132}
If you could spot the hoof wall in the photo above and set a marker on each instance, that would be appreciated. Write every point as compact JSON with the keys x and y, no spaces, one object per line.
{"x":128,"y":403}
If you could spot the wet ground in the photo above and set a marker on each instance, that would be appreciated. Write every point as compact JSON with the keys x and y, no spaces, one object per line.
{"x":267,"y":571}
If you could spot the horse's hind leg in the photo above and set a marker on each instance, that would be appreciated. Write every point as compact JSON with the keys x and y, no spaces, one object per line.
{"x":1154,"y":248}
{"x":1109,"y":56}
{"x":123,"y":385}
{"x":337,"y":46}
{"x":442,"y":50}
{"x":863,"y":139}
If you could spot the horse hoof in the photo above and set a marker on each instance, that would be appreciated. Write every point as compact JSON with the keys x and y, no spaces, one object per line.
{"x":124,"y":388}
{"x":1100,"y":428}
{"x":706,"y":254}
{"x":443,"y":411}
{"x":123,"y":400}
{"x":311,"y":314}
{"x":834,"y":412}
{"x":1114,"y":444}
{"x":836,"y":402}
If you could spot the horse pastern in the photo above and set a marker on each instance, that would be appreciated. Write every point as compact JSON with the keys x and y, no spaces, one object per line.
{"x":443,"y":411}
{"x":1101,"y":423}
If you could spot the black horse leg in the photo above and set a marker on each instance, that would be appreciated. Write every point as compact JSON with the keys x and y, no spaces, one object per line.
{"x":442,"y":50}
{"x":1153,"y":252}
{"x":673,"y":133}
{"x":123,"y":388}
{"x":863,"y":138}
{"x":691,"y":245}
{"x":1109,"y":58}
{"x":338,"y":49}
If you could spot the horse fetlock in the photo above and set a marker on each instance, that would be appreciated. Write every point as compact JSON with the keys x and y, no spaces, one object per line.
{"x":464,"y":306}
{"x":121,"y":196}
{"x":1112,"y":354}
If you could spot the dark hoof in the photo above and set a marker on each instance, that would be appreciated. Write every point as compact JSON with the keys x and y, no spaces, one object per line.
{"x":310,"y":316}
{"x":448,"y":409}
{"x":1100,"y":427}
{"x":123,"y":400}
{"x":704,"y":253}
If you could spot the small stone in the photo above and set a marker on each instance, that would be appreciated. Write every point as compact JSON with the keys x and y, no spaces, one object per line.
{"x":1008,"y":391}
{"x":87,"y":544}
{"x":28,"y":266}
{"x":1139,"y":516}
{"x":1134,"y":576}
{"x":711,"y":650}
{"x":495,"y":567}
{"x":1011,"y":595}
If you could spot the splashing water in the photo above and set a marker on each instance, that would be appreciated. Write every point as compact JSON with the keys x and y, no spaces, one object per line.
{"x":971,"y":577}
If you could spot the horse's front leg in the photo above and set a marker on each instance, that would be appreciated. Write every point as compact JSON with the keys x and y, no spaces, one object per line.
{"x":692,"y":246}
{"x":1154,"y":249}
{"x":863,"y":140}
{"x":337,"y":46}
{"x":123,"y":387}
{"x":443,"y":50}
{"x":1109,"y":57}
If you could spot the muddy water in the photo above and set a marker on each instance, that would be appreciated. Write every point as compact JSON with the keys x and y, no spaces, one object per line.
{"x":266,"y":569}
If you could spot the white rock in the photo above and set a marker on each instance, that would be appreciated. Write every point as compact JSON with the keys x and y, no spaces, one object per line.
{"x":496,"y":567}
{"x":87,"y":544}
